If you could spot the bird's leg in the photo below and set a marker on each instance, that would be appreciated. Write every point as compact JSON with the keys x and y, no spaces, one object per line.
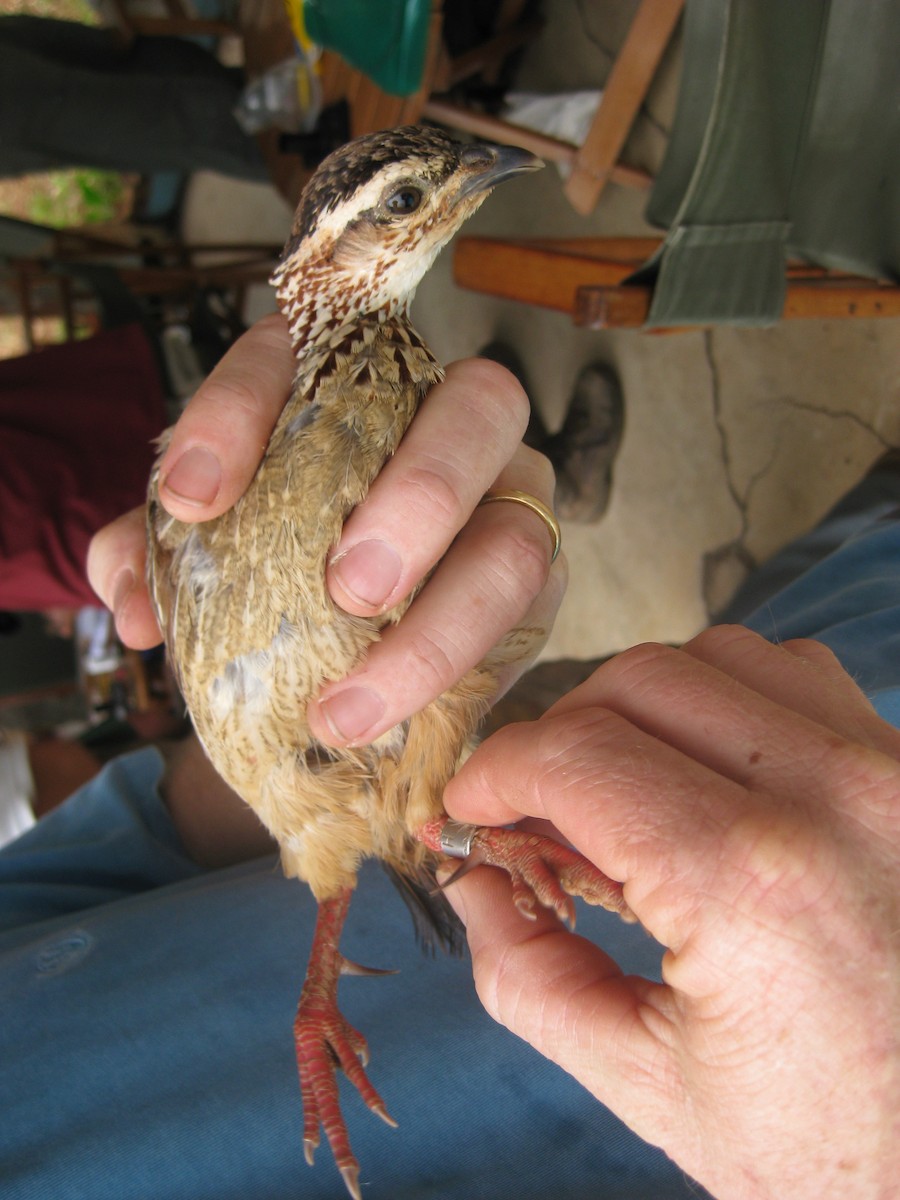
{"x":325,"y":1040}
{"x":541,"y":869}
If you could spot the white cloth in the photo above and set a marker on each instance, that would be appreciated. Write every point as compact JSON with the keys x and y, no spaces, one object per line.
{"x":16,"y":787}
{"x":564,"y":115}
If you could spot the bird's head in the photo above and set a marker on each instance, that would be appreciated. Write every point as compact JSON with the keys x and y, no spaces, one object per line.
{"x":373,"y":218}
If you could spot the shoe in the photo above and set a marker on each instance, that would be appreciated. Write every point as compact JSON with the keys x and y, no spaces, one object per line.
{"x":499,"y":352}
{"x":584,"y":450}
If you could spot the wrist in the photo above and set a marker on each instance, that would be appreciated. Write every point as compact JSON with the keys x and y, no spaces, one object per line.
{"x":216,"y":827}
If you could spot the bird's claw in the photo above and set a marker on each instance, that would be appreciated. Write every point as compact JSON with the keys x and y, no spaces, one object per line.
{"x":350,"y":1175}
{"x":325,"y":1040}
{"x":541,"y":870}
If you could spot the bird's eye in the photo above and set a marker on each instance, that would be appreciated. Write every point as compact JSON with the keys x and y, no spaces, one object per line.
{"x":404,"y":201}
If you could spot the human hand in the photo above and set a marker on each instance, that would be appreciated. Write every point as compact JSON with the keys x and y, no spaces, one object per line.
{"x":748,"y":796}
{"x":421,"y":509}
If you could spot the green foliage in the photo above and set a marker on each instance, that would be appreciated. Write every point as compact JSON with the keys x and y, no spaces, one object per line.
{"x":81,"y":196}
{"x":62,"y":10}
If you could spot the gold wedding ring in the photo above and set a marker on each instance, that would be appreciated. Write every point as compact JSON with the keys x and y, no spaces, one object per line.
{"x":536,"y":506}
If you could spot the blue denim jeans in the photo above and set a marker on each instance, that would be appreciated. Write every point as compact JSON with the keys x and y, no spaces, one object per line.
{"x":146,"y":1005}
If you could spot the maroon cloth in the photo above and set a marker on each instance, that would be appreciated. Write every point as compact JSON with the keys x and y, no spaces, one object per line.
{"x":76,"y":429}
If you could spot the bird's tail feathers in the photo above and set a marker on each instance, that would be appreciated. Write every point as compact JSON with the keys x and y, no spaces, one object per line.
{"x":435,"y":922}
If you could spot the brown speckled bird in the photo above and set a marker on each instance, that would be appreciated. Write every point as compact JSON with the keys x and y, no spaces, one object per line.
{"x":251,"y":630}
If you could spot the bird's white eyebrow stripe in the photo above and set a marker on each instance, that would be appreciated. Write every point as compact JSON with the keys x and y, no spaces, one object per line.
{"x":334,"y":219}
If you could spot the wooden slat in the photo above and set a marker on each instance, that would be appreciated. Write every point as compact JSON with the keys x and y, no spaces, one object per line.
{"x":334,"y":75}
{"x":492,"y":129}
{"x":631,"y":250}
{"x":435,"y":65}
{"x":584,"y":278}
{"x":372,"y":108}
{"x":530,"y":273}
{"x":612,"y":307}
{"x":616,"y":307}
{"x":623,"y":94}
{"x":831,"y":300}
{"x":168,"y":280}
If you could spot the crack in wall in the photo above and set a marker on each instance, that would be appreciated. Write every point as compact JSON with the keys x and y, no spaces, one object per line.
{"x":731,"y":561}
{"x":723,"y":568}
{"x":741,"y":502}
{"x":838,"y":414}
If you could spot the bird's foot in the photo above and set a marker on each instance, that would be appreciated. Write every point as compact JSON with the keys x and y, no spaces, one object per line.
{"x":542,"y":870}
{"x":324,"y":1041}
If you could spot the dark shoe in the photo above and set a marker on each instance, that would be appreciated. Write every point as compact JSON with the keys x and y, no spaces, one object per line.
{"x":889,"y":461}
{"x":585,"y":448}
{"x":499,"y":352}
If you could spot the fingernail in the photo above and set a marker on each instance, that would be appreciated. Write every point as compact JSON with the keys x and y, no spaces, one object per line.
{"x":368,"y":571}
{"x":196,"y":477}
{"x":122,"y":589}
{"x":351,"y":713}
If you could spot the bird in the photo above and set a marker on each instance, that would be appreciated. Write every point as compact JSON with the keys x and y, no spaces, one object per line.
{"x":252,"y":633}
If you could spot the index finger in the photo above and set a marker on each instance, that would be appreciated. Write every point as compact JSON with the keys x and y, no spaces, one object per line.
{"x":219,"y":440}
{"x":116,"y":567}
{"x":466,"y":431}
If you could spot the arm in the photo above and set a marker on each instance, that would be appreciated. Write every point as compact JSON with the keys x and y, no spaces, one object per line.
{"x":749,"y":798}
{"x":216,"y":827}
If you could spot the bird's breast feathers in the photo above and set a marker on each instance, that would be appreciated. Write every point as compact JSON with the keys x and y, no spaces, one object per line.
{"x":251,"y":628}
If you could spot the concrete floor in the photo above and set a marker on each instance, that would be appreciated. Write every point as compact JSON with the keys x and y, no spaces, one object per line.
{"x":736,"y":440}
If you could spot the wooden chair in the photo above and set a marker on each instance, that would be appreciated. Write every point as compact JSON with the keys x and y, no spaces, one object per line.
{"x":770,"y":215}
{"x":592,"y":165}
{"x":372,"y":108}
{"x":596,"y":162}
{"x":50,"y":276}
{"x":584,"y":277}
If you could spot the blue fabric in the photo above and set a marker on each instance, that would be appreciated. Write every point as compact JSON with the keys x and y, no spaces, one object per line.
{"x":840,"y":584}
{"x":111,"y":840}
{"x":146,"y":1006}
{"x":146,"y":1047}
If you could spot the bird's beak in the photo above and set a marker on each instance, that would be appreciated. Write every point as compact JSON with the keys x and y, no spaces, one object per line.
{"x":490,"y":165}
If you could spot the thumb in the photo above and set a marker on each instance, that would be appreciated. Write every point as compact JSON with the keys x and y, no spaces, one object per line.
{"x":557,"y":991}
{"x":617,"y":1034}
